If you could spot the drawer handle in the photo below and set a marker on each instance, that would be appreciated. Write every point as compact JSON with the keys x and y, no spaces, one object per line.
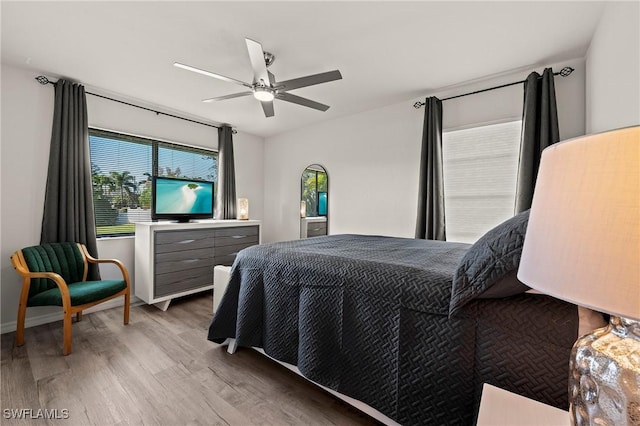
{"x":238,"y":236}
{"x":186,"y":241}
{"x":316,"y":229}
{"x":191,"y":260}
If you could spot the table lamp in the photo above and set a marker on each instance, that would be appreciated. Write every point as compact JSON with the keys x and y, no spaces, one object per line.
{"x":583,"y":246}
{"x":243,"y":209}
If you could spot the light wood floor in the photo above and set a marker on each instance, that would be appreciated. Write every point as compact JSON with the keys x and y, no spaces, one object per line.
{"x":160,"y":369}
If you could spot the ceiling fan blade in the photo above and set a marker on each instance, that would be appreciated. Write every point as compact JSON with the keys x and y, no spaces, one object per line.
{"x":309,"y":80}
{"x":302,"y":101}
{"x":211,"y":74}
{"x":231,"y":96}
{"x":267,"y":107}
{"x":256,"y":56}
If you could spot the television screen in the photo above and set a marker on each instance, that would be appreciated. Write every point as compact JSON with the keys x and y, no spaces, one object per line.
{"x":182,"y":199}
{"x":322,"y":203}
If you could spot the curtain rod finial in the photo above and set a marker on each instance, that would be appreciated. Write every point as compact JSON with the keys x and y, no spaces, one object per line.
{"x":42,"y":79}
{"x":418,"y":105}
{"x":566,"y":71}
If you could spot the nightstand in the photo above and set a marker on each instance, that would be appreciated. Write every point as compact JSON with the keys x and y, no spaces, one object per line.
{"x":501,"y":407}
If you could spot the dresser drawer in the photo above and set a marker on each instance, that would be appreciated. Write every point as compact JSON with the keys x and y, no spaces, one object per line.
{"x":241,"y":235}
{"x":176,"y":282}
{"x":236,"y":230}
{"x":226,"y":255}
{"x":173,"y":241}
{"x":315,"y":229}
{"x":173,"y":264}
{"x":226,"y":260}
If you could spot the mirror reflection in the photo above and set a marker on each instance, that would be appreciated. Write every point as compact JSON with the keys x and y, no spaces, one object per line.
{"x":314,"y":199}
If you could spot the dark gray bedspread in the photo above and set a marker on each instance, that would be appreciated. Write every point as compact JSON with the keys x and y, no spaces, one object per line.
{"x":366,"y":316}
{"x":338,"y":307}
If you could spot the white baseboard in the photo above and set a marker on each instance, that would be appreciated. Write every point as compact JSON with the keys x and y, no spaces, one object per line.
{"x":33,"y":321}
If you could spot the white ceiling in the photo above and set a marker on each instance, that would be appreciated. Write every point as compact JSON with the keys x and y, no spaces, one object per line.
{"x":387,"y":51}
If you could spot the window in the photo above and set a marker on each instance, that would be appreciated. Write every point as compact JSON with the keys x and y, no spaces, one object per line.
{"x":480,"y":172}
{"x":122,"y":167}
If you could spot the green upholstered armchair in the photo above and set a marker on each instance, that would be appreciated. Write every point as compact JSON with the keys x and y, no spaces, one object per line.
{"x":56,"y":274}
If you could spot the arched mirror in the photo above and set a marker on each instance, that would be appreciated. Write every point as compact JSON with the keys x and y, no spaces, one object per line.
{"x":314,"y":202}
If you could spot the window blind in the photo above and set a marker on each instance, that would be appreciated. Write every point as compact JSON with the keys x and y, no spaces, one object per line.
{"x":122,"y":168}
{"x":186,"y":162}
{"x":480,"y":171}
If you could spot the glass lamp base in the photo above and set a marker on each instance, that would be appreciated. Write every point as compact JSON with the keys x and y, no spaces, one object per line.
{"x":604,"y":380}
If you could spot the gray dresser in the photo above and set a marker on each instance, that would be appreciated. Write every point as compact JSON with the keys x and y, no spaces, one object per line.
{"x":313,"y":226}
{"x":316,"y":229}
{"x":173,"y":260}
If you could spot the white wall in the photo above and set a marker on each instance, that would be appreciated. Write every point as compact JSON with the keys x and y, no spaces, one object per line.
{"x":27,"y":113}
{"x":26,"y":124}
{"x":372,"y":158}
{"x":613,"y":69}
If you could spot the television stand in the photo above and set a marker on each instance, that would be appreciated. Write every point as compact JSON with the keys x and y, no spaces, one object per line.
{"x":176,"y":259}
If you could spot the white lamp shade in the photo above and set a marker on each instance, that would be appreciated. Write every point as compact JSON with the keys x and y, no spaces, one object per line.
{"x":243,"y":209}
{"x":583,"y":238}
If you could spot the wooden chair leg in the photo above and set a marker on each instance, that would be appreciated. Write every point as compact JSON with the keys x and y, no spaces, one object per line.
{"x":78,"y":316}
{"x":127,"y":302}
{"x":66,"y":326}
{"x":22,"y":311}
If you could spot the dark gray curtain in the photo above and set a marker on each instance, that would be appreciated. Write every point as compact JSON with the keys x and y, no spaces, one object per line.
{"x":226,"y":195}
{"x":431,"y":222}
{"x":68,"y":203}
{"x":539,"y":130}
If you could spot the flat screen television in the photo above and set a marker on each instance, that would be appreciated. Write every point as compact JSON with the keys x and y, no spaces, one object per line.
{"x":181,"y":200}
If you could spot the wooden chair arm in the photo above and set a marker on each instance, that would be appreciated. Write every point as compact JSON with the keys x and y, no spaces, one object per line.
{"x":119,"y":264}
{"x":60,"y":282}
{"x":51,"y":275}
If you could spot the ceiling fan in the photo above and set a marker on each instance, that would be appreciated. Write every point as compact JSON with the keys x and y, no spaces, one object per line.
{"x":264,"y":87}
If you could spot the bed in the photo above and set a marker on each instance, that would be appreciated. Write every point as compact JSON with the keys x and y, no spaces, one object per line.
{"x":412,"y":328}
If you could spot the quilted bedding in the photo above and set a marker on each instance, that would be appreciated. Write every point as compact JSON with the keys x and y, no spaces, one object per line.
{"x":368,"y":316}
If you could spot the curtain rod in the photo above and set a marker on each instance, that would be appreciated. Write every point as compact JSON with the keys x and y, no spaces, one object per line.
{"x":564,"y":72}
{"x":44,"y":81}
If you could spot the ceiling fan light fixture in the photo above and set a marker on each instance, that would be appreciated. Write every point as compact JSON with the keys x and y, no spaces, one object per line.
{"x":263,"y":94}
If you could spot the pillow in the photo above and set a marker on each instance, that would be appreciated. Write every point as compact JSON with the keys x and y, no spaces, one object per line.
{"x":488,"y":269}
